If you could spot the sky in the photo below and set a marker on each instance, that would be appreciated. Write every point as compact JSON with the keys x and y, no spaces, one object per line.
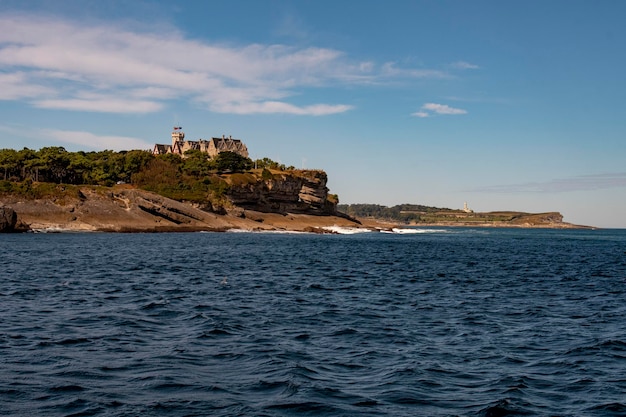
{"x":505,"y":105}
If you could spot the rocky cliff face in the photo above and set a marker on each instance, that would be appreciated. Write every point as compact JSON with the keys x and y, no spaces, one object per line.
{"x":125,"y":209}
{"x":8,"y":219}
{"x":268,"y":201}
{"x":294,"y":192}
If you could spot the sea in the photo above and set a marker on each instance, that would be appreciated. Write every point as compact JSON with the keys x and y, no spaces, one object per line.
{"x":417,"y":322}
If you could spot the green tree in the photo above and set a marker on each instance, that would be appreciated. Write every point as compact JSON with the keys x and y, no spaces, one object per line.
{"x":79,"y":167}
{"x":158,"y":175}
{"x":55,"y":162}
{"x":196,"y":163}
{"x":135,"y":161}
{"x":9,"y":162}
{"x":269,"y":164}
{"x":26,"y":160}
{"x":233,"y":162}
{"x":172,"y":158}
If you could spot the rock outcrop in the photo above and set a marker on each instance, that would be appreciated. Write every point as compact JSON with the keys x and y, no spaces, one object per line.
{"x":8,"y":219}
{"x":126,"y":209}
{"x":304,"y":192}
{"x":267,"y":200}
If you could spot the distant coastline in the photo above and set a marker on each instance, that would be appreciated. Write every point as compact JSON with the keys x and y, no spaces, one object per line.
{"x":126,"y":209}
{"x":420,"y":215}
{"x":201,"y":190}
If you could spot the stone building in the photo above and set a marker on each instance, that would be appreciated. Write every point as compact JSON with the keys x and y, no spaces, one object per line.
{"x":212,"y":146}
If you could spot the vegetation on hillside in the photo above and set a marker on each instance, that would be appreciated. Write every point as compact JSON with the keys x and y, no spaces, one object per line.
{"x":196,"y":177}
{"x":402,"y":213}
{"x":419,"y":214}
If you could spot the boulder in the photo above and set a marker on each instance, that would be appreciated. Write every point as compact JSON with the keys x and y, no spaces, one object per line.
{"x":8,"y":219}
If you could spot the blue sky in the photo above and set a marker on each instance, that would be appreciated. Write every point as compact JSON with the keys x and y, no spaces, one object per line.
{"x":515,"y":105}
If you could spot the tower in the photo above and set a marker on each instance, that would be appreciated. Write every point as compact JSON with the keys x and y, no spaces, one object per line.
{"x":178,"y":136}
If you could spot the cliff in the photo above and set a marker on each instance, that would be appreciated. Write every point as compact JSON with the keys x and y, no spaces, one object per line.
{"x":420,"y":215}
{"x":255,"y":200}
{"x":551,"y":220}
{"x":296,"y":201}
{"x":302,"y":192}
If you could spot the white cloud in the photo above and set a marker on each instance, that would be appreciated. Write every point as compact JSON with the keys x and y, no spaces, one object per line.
{"x":104,"y":105}
{"x":442,"y":109}
{"x":92,"y":141}
{"x":429,"y":109}
{"x":280,"y":107}
{"x":464,"y":65}
{"x":16,"y":86}
{"x":63,"y":64}
{"x":389,"y":69}
{"x":36,"y":138}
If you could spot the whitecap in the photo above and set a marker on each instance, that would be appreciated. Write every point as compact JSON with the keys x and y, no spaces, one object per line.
{"x":268,"y":231}
{"x":411,"y":231}
{"x":346,"y":230}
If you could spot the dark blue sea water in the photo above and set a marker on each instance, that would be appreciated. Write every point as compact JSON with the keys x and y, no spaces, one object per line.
{"x":453,"y":322}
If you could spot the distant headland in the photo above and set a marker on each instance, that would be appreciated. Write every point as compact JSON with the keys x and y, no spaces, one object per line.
{"x":209,"y":185}
{"x":416,"y":215}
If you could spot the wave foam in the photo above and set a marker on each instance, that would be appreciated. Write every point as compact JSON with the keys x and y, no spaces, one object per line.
{"x":408,"y":231}
{"x":346,"y":230}
{"x":268,"y":231}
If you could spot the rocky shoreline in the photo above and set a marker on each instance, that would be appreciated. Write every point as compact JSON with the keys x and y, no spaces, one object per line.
{"x":125,"y":209}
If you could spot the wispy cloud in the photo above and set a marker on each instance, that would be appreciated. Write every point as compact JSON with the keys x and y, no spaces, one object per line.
{"x":291,"y":25}
{"x":390,"y":69}
{"x":464,"y":65}
{"x":430,"y":109}
{"x":281,"y":107}
{"x":84,"y":140}
{"x":92,"y":141}
{"x":15,"y":86}
{"x":442,"y":109}
{"x":62,"y":64}
{"x":107,"y":104}
{"x":559,"y":185}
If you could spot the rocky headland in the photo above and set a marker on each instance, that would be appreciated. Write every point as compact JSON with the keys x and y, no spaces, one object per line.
{"x":293,"y":202}
{"x":288,"y":201}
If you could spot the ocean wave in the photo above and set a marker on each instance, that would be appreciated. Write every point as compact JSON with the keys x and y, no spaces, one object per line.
{"x":262,"y":231}
{"x":411,"y":231}
{"x":59,"y":229}
{"x":346,"y":230}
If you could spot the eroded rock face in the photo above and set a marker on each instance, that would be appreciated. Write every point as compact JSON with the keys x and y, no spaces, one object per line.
{"x":8,"y":220}
{"x":129,"y":209}
{"x":305,"y":192}
{"x":315,"y":193}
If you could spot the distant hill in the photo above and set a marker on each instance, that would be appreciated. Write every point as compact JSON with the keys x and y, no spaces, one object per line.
{"x":416,"y":214}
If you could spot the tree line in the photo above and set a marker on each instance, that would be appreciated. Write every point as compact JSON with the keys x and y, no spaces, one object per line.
{"x":405,"y":213}
{"x":56,"y":164}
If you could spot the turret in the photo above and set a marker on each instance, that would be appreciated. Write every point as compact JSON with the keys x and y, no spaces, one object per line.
{"x":177,"y":136}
